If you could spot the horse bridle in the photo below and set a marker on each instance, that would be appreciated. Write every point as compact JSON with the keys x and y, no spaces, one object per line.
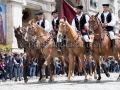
{"x":98,"y":33}
{"x":64,"y":32}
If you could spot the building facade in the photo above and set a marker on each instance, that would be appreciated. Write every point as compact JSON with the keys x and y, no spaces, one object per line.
{"x":19,"y":12}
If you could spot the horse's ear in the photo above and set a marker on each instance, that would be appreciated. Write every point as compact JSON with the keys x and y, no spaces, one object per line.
{"x":31,"y":21}
{"x":14,"y":28}
{"x":97,"y":14}
{"x":64,"y":18}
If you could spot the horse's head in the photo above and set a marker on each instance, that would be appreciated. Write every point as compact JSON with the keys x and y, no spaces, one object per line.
{"x":34,"y":30}
{"x":93,"y":23}
{"x":62,"y":27}
{"x":31,"y":30}
{"x":19,"y":36}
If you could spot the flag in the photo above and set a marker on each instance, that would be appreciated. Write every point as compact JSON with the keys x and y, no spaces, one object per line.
{"x":68,"y":11}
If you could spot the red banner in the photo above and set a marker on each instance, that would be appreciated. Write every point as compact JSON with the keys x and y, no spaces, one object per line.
{"x":68,"y":11}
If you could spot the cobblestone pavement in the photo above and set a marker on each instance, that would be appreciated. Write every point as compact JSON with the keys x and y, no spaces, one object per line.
{"x":60,"y":84}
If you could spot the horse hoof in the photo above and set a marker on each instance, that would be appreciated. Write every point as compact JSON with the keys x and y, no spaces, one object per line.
{"x":98,"y":81}
{"x":108,"y":75}
{"x":68,"y":80}
{"x":43,"y":80}
{"x":26,"y":80}
{"x":50,"y":81}
{"x":85,"y":80}
{"x":39,"y":81}
{"x":95,"y":77}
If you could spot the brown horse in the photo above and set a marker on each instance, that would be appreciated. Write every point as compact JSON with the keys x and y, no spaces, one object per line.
{"x":75,"y":46}
{"x":102,"y":44}
{"x":47,"y":45}
{"x":30,"y":51}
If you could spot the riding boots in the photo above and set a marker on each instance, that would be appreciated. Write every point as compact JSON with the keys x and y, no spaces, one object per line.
{"x":87,"y":46}
{"x":113,"y":45}
{"x":59,"y":47}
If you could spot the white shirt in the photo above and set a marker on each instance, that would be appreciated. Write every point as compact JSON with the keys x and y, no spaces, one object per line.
{"x":113,"y":21}
{"x":47,"y":26}
{"x":79,"y":17}
{"x":51,"y":26}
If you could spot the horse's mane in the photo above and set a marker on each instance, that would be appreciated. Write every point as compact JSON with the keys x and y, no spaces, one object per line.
{"x":41,"y":28}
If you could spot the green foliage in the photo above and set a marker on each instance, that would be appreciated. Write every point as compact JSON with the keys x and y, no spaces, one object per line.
{"x":7,"y":48}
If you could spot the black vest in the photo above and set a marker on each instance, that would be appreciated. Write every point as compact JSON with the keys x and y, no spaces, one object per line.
{"x":108,"y":19}
{"x":55,"y":25}
{"x":80,"y":24}
{"x":42,"y":23}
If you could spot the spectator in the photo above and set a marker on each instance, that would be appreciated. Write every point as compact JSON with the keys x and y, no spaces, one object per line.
{"x":112,"y":64}
{"x":33,"y":64}
{"x":116,"y":67}
{"x":17,"y":62}
{"x":58,"y":68}
{"x":9,"y":65}
{"x":2,"y":69}
{"x":87,"y":66}
{"x":108,"y":65}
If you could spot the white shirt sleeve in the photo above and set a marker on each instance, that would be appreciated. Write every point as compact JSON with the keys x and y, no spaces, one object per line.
{"x":113,"y":21}
{"x":87,"y":19}
{"x":73,"y":25}
{"x":47,"y":26}
{"x":51,"y":27}
{"x":99,"y":17}
{"x":37,"y":22}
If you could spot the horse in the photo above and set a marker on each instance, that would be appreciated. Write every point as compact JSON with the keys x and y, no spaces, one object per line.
{"x":47,"y":45}
{"x":102,"y":44}
{"x":75,"y":46}
{"x":31,"y":51}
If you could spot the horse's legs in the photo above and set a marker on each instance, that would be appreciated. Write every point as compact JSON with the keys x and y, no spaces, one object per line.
{"x":71,"y":59}
{"x":97,"y":66}
{"x":83,"y":66}
{"x":39,"y":69}
{"x":26,"y":71}
{"x":89,"y":61}
{"x":49,"y":69}
{"x":43,"y":71}
{"x":104,"y":67}
{"x":117,"y":59}
{"x":98,"y":71}
{"x":95,"y":72}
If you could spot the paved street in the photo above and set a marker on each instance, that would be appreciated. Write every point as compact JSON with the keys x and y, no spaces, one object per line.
{"x":60,"y":84}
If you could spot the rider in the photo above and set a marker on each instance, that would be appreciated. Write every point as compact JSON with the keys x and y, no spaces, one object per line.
{"x":42,"y":21}
{"x":108,"y":21}
{"x":80,"y":22}
{"x":54,"y":28}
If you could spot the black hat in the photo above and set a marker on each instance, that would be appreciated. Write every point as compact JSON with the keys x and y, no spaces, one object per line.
{"x":39,"y":13}
{"x":79,"y":7}
{"x":0,"y":9}
{"x":105,"y":5}
{"x":55,"y":11}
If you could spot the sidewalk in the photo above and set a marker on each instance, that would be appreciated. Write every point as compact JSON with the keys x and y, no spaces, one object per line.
{"x":60,"y":84}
